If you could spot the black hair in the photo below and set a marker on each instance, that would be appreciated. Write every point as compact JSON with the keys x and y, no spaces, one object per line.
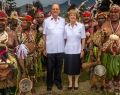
{"x":73,"y":6}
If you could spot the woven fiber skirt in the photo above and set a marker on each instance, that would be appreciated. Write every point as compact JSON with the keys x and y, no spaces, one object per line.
{"x":72,"y":64}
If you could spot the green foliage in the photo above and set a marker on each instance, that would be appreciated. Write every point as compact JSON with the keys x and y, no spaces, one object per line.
{"x":112,"y":64}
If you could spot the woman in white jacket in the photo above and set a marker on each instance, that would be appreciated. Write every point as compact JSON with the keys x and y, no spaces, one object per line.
{"x":75,"y":41}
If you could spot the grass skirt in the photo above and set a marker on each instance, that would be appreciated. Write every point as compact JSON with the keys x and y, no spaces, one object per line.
{"x":112,"y":64}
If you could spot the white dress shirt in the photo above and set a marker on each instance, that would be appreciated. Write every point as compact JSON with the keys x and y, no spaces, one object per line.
{"x":73,"y":36}
{"x":54,"y":31}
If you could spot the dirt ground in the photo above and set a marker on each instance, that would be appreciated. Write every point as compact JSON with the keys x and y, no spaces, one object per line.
{"x":84,"y":87}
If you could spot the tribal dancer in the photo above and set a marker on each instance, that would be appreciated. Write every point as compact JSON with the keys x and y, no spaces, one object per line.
{"x":111,"y":48}
{"x":97,"y":40}
{"x":26,"y":50}
{"x":12,"y":39}
{"x":41,"y":58}
{"x":88,"y":22}
{"x":7,"y":67}
{"x":11,"y":44}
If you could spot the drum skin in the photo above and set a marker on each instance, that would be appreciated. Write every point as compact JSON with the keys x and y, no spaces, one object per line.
{"x":25,"y":85}
{"x":99,"y":70}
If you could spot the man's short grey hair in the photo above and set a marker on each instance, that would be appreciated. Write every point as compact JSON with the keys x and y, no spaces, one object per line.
{"x":55,"y":4}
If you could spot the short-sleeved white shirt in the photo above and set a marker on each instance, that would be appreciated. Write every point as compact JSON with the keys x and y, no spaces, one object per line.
{"x":73,"y":36}
{"x":54,"y":31}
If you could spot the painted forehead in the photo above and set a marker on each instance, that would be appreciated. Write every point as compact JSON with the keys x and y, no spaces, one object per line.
{"x":102,"y":14}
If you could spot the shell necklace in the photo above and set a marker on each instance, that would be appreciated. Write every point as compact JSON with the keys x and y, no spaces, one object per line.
{"x":114,"y":32}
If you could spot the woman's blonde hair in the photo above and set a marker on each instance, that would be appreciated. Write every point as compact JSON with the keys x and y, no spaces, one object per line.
{"x":73,"y":11}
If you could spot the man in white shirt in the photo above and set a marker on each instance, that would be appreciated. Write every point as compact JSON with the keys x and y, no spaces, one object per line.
{"x":54,"y":38}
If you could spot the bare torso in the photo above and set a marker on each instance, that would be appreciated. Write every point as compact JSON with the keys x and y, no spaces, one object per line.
{"x":111,"y":29}
{"x":12,"y":39}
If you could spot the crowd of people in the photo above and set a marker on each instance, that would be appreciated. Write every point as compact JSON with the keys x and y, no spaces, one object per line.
{"x":29,"y":45}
